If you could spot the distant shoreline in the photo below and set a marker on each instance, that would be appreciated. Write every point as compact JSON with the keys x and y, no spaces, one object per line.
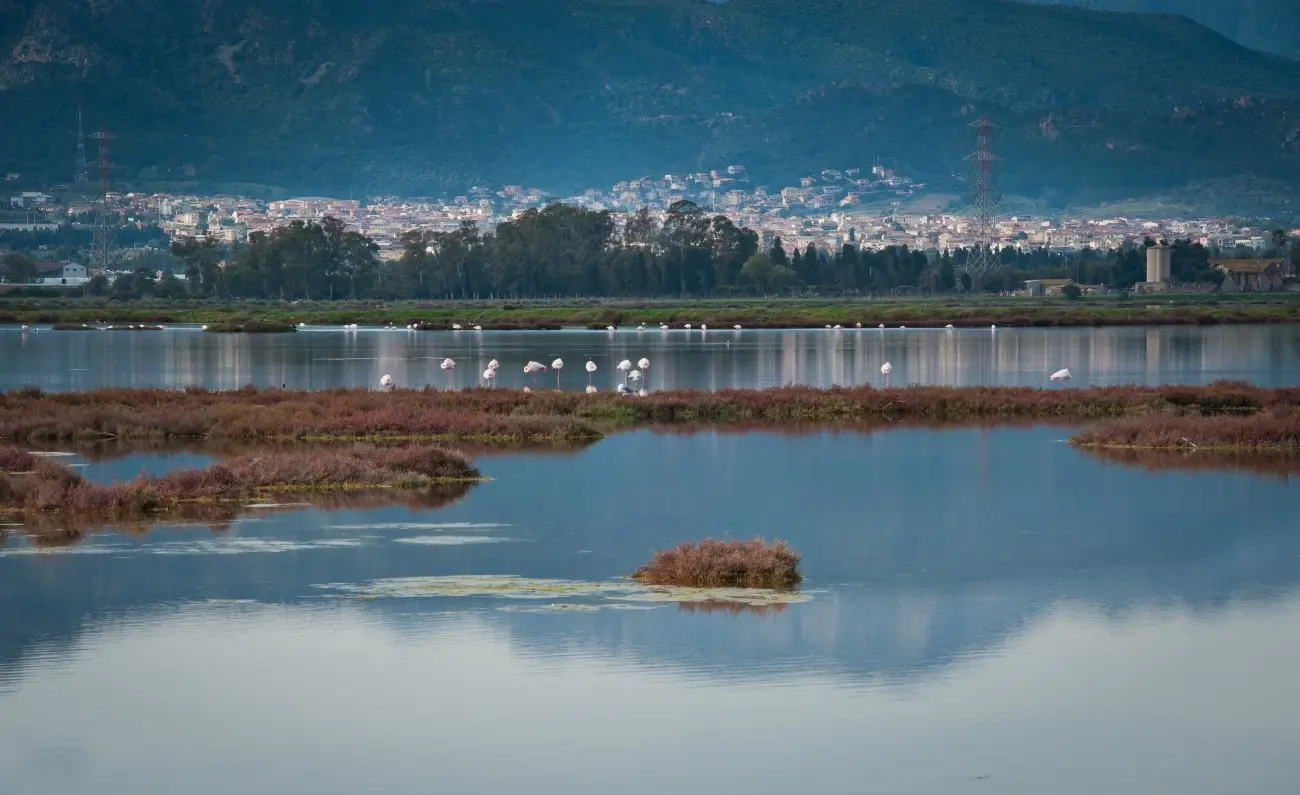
{"x":716,"y":314}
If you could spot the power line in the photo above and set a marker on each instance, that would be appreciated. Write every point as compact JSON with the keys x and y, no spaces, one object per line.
{"x":985,"y":168}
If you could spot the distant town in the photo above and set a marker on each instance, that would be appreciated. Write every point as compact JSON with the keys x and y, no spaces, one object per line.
{"x":873,"y":208}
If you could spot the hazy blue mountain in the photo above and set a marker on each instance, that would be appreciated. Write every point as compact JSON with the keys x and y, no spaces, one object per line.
{"x":418,"y":97}
{"x":1269,"y":25}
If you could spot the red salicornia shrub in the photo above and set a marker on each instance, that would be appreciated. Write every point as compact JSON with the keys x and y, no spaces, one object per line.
{"x":729,"y":563}
{"x":1269,"y":429}
{"x":12,"y":459}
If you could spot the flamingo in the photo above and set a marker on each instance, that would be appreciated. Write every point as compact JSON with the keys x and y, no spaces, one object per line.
{"x":885,"y":370}
{"x":948,"y":327}
{"x":688,"y":326}
{"x":663,"y":326}
{"x":386,"y":382}
{"x":902,"y":326}
{"x":635,"y":376}
{"x":881,"y":326}
{"x":624,"y":366}
{"x":557,"y":366}
{"x":641,"y":327}
{"x":828,"y":327}
{"x":857,"y":325}
{"x":591,"y":389}
{"x":1061,"y":375}
{"x":302,"y":325}
{"x":622,"y":389}
{"x":450,"y":366}
{"x":478,"y":328}
{"x":533,"y":368}
{"x":591,"y":368}
{"x":993,"y":327}
{"x":704,"y":327}
{"x":838,"y":327}
{"x":609,"y":328}
{"x":490,"y":375}
{"x":644,"y":364}
{"x":736,"y":327}
{"x":455,"y":327}
{"x":204,"y":328}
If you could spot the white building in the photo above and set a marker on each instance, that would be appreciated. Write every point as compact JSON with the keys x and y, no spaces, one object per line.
{"x":58,"y":274}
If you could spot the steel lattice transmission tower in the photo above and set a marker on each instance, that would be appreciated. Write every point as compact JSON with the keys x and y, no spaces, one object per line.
{"x":104,"y":242}
{"x":83,"y":168}
{"x":985,"y":169}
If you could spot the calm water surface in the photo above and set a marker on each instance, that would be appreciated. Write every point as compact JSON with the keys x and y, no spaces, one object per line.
{"x":991,"y":611}
{"x":318,"y":358}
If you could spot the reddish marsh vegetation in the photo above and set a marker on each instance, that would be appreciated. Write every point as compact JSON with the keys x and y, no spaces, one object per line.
{"x":729,"y":563}
{"x":52,"y":487}
{"x":1275,"y":428}
{"x":501,"y":414}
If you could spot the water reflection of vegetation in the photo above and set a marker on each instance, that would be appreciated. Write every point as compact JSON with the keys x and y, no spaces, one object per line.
{"x":1278,"y":464}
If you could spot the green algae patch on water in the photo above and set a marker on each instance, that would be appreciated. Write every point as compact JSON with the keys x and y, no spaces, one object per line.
{"x":583,"y":595}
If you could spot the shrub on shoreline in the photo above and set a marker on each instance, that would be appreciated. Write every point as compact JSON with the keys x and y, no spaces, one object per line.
{"x":729,"y":563}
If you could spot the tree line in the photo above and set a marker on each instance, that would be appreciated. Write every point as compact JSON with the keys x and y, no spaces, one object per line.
{"x":566,"y":250}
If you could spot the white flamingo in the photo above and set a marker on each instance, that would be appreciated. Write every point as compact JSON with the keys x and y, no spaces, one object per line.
{"x":533,"y":368}
{"x":949,"y":327}
{"x":624,"y":366}
{"x":386,"y":382}
{"x":688,"y":326}
{"x":644,"y":364}
{"x":622,"y":389}
{"x":635,"y":377}
{"x":1061,"y":375}
{"x":857,"y":325}
{"x":641,"y":327}
{"x":591,"y":368}
{"x":609,"y":328}
{"x":302,"y":325}
{"x":881,"y":326}
{"x":591,"y":389}
{"x":204,"y":328}
{"x":885,"y":370}
{"x":993,"y":327}
{"x":490,"y":375}
{"x":736,"y":327}
{"x":478,"y":328}
{"x":838,"y":327}
{"x":902,"y":326}
{"x":663,"y":326}
{"x":704,"y":327}
{"x":557,"y":366}
{"x":455,"y":327}
{"x":494,"y":364}
{"x":449,"y":365}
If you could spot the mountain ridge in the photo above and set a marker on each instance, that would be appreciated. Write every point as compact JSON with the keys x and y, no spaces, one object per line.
{"x":573,"y":93}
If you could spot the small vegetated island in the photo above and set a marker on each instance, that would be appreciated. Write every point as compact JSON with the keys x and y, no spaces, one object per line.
{"x":724,"y":563}
{"x":32,"y":483}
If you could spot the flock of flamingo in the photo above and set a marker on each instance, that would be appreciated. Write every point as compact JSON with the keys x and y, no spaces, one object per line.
{"x":631,"y":376}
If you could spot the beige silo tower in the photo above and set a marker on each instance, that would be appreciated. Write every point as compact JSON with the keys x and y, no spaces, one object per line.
{"x":1158,"y":263}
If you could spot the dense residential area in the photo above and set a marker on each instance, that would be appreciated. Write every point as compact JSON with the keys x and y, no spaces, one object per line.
{"x":856,"y":231}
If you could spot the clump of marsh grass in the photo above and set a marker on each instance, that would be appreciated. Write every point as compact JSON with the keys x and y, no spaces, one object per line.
{"x":726,"y":563}
{"x":14,"y":459}
{"x":251,"y":327}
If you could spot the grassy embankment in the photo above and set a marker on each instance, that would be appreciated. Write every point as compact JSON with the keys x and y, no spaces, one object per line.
{"x":751,"y":313}
{"x":33,"y":484}
{"x":1224,"y":415}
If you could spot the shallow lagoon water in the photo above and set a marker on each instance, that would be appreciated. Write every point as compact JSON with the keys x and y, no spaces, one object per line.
{"x":988,"y":610}
{"x":319,"y":358}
